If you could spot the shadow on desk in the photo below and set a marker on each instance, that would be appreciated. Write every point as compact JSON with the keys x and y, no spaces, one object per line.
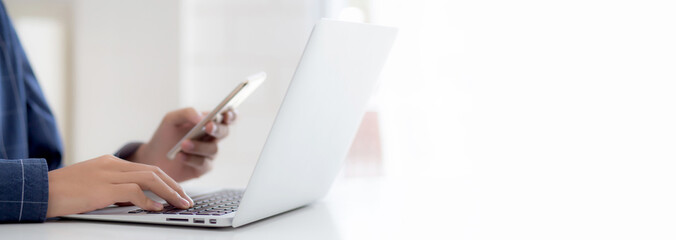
{"x":310,"y":222}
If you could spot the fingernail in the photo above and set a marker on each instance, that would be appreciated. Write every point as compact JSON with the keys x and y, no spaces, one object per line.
{"x":185,"y":203}
{"x":189,"y":199}
{"x":188,"y":145}
{"x":214,"y":130}
{"x":157,"y":206}
{"x":231,"y":117}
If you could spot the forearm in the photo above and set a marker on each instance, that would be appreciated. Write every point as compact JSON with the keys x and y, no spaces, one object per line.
{"x":24,"y":190}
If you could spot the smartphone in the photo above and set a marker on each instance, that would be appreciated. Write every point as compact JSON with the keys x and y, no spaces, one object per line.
{"x":233,"y":100}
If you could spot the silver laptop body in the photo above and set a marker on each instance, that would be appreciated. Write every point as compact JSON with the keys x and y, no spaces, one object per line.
{"x":311,"y":134}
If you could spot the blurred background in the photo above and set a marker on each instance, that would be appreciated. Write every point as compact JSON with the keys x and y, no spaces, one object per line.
{"x":531,"y":116}
{"x":112,"y":69}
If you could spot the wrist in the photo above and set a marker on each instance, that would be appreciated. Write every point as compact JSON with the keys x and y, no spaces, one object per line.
{"x":56,"y":206}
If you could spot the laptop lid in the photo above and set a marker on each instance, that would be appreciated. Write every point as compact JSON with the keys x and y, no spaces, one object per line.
{"x":318,"y":118}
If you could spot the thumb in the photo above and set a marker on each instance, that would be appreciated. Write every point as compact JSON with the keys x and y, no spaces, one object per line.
{"x":182,"y":116}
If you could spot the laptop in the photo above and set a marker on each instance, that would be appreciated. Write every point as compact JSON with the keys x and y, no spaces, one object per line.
{"x":309,"y":139}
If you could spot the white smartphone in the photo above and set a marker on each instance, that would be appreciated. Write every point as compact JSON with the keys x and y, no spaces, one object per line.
{"x":233,"y":100}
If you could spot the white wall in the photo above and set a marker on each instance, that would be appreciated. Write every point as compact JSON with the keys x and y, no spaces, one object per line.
{"x":126,"y":71}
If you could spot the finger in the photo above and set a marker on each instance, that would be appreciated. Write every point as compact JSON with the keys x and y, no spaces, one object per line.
{"x":148,"y":180}
{"x":199,"y":163}
{"x":130,"y":192}
{"x":229,"y":116}
{"x":126,"y":166}
{"x":185,"y":115}
{"x":218,"y":131}
{"x":204,"y":137}
{"x":204,"y":149}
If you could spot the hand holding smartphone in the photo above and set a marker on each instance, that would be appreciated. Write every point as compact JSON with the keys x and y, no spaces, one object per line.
{"x":233,"y":100}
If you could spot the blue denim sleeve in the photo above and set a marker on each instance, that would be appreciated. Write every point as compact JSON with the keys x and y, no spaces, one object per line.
{"x":24,"y":190}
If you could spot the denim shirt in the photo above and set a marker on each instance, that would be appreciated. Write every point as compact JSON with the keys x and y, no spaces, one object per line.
{"x":30,"y":145}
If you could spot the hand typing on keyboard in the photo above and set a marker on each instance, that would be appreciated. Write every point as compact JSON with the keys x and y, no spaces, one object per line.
{"x":102,"y":181}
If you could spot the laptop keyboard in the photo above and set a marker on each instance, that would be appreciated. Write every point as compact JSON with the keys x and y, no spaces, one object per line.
{"x":218,"y":203}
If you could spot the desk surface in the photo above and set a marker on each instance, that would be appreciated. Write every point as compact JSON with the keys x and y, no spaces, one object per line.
{"x":354,"y":209}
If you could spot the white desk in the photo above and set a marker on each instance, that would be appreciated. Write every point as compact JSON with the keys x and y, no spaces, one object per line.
{"x":354,"y":209}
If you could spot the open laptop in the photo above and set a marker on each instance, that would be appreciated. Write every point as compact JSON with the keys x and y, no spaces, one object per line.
{"x":309,"y":139}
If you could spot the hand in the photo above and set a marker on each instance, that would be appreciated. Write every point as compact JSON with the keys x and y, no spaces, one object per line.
{"x":105,"y":180}
{"x":196,"y":156}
